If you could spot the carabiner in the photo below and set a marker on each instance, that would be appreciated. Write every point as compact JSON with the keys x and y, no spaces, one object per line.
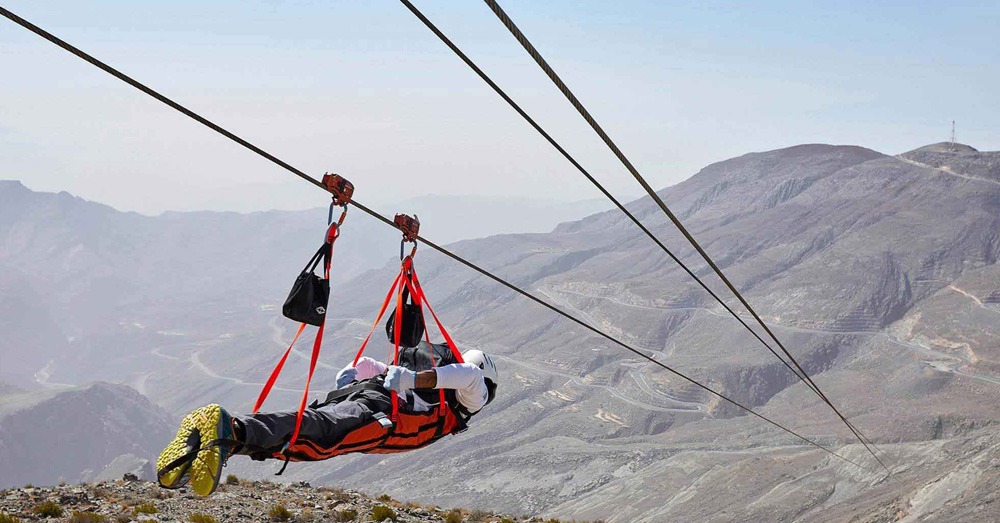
{"x":329,"y":214}
{"x":402,"y":244}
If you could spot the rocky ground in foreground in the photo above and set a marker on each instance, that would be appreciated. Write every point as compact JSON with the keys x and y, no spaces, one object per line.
{"x":135,"y":500}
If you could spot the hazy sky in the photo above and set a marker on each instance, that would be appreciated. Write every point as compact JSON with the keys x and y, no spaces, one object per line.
{"x":363,"y":88}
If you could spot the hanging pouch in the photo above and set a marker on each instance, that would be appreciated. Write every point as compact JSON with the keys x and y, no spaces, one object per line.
{"x":412,"y":324}
{"x":308,"y":299}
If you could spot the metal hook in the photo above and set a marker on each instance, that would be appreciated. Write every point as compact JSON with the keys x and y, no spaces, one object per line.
{"x":402,"y":244}
{"x":343,"y":215}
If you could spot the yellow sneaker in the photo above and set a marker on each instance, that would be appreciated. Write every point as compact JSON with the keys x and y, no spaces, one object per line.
{"x":195,"y":454}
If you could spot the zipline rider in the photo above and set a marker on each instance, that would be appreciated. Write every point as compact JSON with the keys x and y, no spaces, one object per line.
{"x":354,"y":420}
{"x":426,"y":390}
{"x":229,"y":135}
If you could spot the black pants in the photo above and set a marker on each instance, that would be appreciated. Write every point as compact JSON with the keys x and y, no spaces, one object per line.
{"x":324,"y":427}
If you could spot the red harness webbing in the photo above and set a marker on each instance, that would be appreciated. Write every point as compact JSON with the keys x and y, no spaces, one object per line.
{"x":412,"y":430}
{"x":444,"y":332}
{"x":442,"y":401}
{"x":332,"y":234}
{"x":420,"y":299}
{"x":277,"y":370}
{"x":407,"y":278}
{"x":381,"y":312}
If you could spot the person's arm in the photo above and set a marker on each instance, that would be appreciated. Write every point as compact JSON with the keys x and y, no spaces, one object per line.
{"x":369,"y":368}
{"x":466,"y":380}
{"x":366,"y":368}
{"x":346,"y":376}
{"x":426,"y":379}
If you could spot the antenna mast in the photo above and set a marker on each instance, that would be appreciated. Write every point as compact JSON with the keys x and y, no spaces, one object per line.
{"x":951,"y":144}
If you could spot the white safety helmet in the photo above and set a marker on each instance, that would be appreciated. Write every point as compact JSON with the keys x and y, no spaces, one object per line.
{"x":485,"y":363}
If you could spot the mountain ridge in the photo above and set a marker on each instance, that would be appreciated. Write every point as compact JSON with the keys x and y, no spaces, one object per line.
{"x":884,"y":233}
{"x":77,"y":433}
{"x":874,"y":270}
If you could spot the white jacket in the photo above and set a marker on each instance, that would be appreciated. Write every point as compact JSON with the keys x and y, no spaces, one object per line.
{"x":465,"y":379}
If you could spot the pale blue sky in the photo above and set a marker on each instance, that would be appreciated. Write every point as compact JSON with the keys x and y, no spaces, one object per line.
{"x":363,"y":88}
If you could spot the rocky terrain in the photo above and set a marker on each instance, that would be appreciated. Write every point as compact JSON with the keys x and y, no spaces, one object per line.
{"x":136,"y":500}
{"x":874,"y":271}
{"x":879,"y":272}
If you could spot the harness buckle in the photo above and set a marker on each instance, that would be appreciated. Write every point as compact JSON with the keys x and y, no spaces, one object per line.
{"x":383,"y":420}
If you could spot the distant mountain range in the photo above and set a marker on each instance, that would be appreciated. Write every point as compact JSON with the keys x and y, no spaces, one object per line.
{"x":69,"y":268}
{"x":878,"y":272}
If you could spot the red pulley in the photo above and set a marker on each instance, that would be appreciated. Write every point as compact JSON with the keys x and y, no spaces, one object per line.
{"x":408,"y":225}
{"x":340,"y":187}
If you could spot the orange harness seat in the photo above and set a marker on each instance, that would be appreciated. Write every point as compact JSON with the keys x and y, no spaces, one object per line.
{"x":411,"y":431}
{"x":402,"y":430}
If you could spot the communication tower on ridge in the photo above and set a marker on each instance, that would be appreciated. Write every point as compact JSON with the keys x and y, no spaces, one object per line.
{"x":951,"y":143}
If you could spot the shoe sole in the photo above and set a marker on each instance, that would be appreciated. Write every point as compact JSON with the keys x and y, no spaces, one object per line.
{"x":177,"y":447}
{"x":205,"y":469}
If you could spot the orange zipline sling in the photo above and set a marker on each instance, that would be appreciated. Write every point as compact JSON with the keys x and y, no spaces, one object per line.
{"x":402,"y":430}
{"x":342,"y":191}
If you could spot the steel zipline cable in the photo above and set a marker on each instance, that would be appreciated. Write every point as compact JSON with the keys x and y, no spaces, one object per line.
{"x":204,"y":121}
{"x":575,"y":102}
{"x":797,"y":370}
{"x":584,"y":171}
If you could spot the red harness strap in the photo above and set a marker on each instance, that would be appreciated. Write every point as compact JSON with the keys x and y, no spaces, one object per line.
{"x":421,"y":298}
{"x":407,"y":279}
{"x":277,"y":370}
{"x":381,"y":312}
{"x":442,"y":407}
{"x":332,"y":234}
{"x":412,"y":431}
{"x":397,"y":328}
{"x":444,"y":332}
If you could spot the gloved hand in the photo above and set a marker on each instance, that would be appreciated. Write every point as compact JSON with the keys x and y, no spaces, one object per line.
{"x":346,"y":376}
{"x":400,"y":379}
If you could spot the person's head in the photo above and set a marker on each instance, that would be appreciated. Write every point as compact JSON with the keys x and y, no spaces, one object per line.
{"x":485,"y":363}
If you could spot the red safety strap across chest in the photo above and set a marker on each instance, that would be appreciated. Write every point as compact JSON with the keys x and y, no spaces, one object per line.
{"x":407,"y":279}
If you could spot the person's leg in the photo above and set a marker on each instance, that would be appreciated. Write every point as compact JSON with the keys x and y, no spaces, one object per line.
{"x":266,"y":433}
{"x":260,"y":435}
{"x":191,"y":456}
{"x":271,"y":430}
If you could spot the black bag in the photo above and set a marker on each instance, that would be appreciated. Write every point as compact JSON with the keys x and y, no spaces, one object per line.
{"x":412,"y":324}
{"x":308,"y":299}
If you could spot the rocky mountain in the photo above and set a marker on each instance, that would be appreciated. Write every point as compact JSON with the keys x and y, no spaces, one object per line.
{"x":878,"y":272}
{"x":94,"y":432}
{"x":875,"y":271}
